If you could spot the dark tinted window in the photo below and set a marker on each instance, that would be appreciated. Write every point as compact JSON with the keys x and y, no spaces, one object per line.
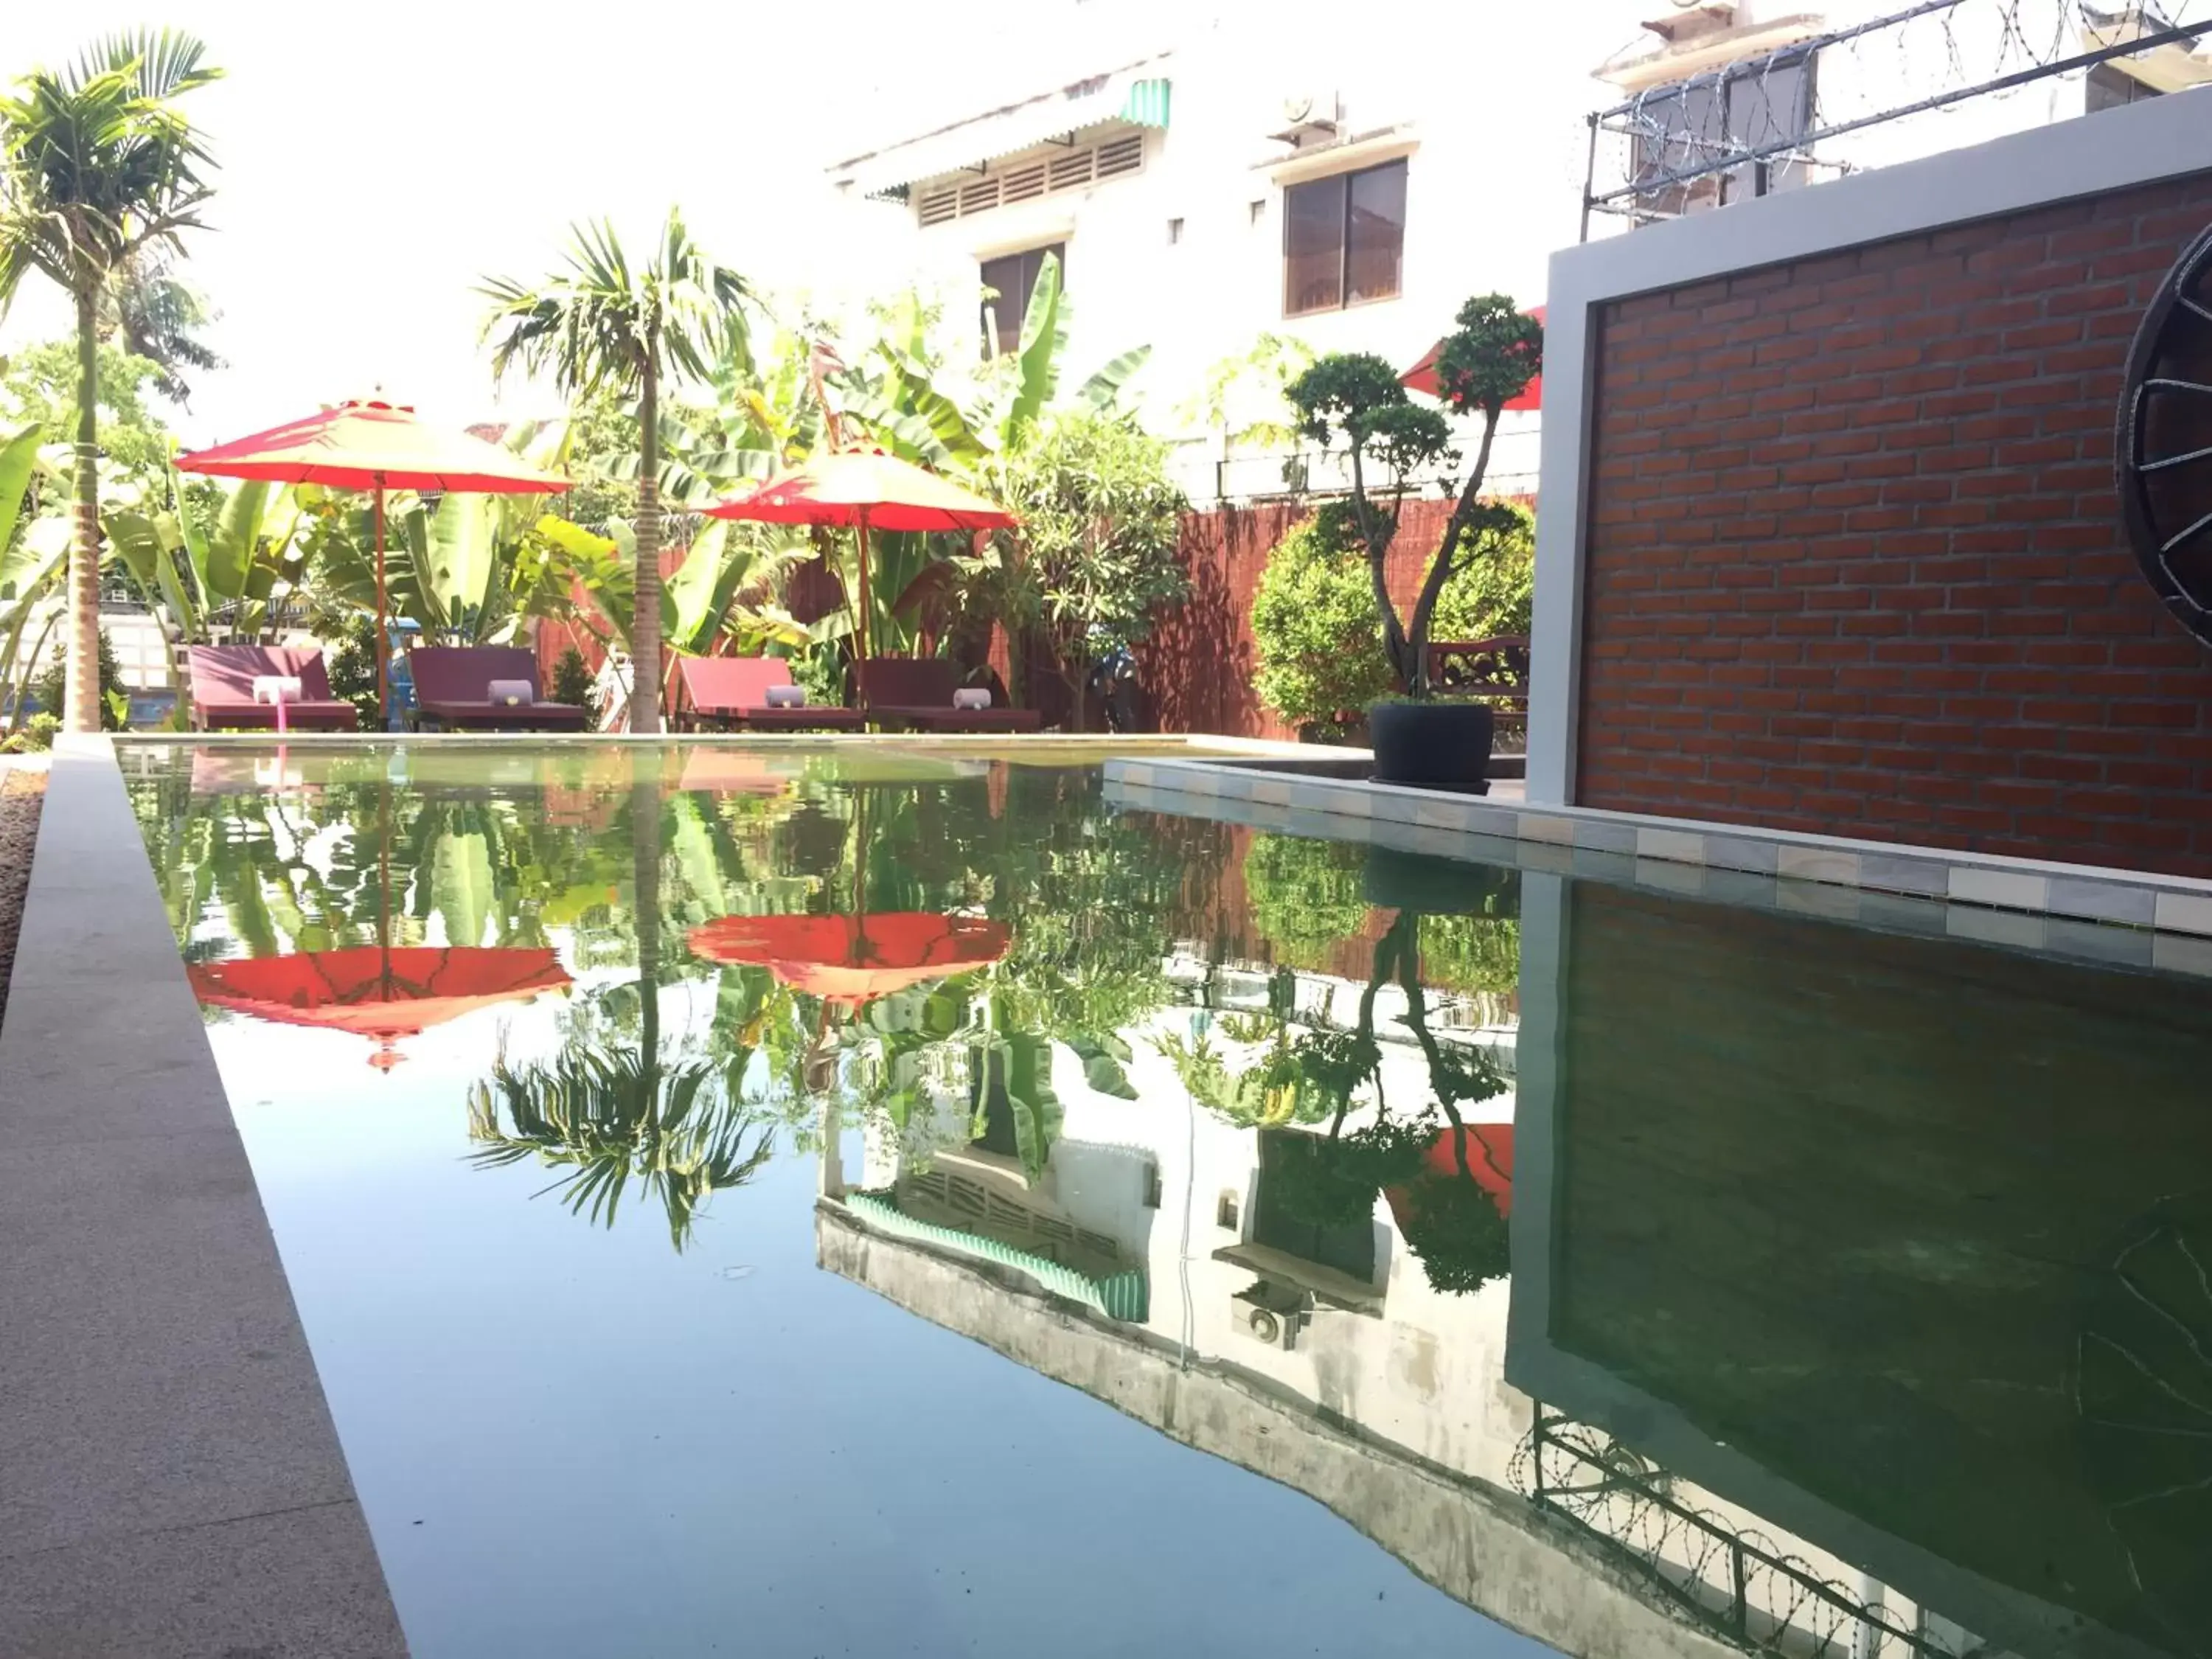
{"x":1013,"y":276}
{"x":1313,"y":246}
{"x":1374,"y":243}
{"x":1344,"y":238}
{"x":1766,"y":105}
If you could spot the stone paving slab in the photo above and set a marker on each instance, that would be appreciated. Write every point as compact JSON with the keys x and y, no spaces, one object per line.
{"x":2109,"y":918}
{"x":293,"y":1584}
{"x":170,"y":1480}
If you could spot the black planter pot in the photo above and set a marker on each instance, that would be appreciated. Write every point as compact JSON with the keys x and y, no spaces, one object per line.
{"x":1433,"y":746}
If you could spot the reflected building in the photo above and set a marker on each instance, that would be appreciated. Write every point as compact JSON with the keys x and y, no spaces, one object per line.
{"x":1154,"y":1263}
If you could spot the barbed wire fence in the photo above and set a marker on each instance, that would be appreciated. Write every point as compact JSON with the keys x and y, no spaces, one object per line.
{"x":1739,"y":1582}
{"x":1862,"y":95}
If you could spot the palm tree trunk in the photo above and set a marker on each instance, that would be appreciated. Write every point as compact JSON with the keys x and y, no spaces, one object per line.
{"x":645,"y":625}
{"x":645,"y":836}
{"x":80,"y":699}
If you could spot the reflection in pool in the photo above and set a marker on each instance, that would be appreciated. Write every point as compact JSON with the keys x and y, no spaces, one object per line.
{"x":670,"y":1150}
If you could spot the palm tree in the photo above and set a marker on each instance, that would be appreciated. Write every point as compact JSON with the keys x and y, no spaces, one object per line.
{"x":600,"y":326}
{"x":97,"y":167}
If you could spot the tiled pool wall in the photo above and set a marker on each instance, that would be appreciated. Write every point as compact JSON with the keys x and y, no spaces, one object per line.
{"x":2109,"y":918}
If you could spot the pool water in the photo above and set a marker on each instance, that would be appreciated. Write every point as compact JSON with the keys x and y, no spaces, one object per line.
{"x":877,"y":1201}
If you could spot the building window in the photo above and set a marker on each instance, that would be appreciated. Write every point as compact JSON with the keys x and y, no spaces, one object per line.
{"x":1766,"y":105}
{"x":1012,"y":277}
{"x":2109,"y":87}
{"x":1344,"y":239}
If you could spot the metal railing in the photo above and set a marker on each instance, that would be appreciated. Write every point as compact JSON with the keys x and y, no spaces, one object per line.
{"x":1210,"y":479}
{"x":1772,"y":121}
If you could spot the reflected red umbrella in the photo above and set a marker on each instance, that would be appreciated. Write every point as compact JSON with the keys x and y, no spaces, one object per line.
{"x":1489,"y":1161}
{"x":382,"y":994}
{"x":851,"y":960}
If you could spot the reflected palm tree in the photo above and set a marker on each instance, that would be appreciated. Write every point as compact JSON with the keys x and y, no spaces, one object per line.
{"x":612,"y":1116}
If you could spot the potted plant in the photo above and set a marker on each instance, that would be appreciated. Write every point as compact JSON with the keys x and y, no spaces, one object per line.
{"x":1495,"y":350}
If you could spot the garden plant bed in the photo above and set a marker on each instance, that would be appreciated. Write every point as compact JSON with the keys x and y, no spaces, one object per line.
{"x":22,"y":791}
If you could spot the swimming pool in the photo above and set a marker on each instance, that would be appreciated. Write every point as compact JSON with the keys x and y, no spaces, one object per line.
{"x":755,"y":1199}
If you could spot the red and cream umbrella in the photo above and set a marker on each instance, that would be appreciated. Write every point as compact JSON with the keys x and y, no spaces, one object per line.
{"x":375,"y":446}
{"x":862,"y":490}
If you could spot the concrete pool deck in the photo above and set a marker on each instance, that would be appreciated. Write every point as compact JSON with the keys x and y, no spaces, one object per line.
{"x":173,"y":1482}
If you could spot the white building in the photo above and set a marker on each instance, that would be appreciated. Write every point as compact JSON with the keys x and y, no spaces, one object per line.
{"x":1216,"y":172}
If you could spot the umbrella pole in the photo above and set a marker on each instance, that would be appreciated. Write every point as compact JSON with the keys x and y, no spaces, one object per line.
{"x":383,"y":627}
{"x":862,"y":618}
{"x":384,"y":888}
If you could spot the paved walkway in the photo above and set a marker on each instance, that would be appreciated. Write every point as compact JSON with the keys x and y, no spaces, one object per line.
{"x":170,"y":1481}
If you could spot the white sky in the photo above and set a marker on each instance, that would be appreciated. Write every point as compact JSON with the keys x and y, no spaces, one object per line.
{"x":377,"y":161}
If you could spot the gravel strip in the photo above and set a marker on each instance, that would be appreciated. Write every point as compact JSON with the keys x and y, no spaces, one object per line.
{"x":22,"y":794}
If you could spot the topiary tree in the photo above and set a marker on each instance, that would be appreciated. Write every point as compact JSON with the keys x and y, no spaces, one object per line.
{"x":1319,"y":641}
{"x":1355,"y":397}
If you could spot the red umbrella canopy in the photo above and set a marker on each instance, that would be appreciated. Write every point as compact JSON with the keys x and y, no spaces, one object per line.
{"x":372,"y":446}
{"x":865,"y":486}
{"x":854,"y":959}
{"x":382,"y":994}
{"x":1422,"y":376}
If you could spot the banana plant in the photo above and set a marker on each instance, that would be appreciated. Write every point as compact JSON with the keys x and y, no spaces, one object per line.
{"x":31,"y":556}
{"x":468,"y":567}
{"x":224,"y":571}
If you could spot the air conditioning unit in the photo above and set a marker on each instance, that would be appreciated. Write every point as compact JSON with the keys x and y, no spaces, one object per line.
{"x":1273,"y":1320}
{"x":1308,"y":117}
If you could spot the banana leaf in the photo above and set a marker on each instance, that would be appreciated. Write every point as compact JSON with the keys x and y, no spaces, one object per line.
{"x":459,"y":546}
{"x":462,"y":886}
{"x":147,"y":545}
{"x":235,"y":558}
{"x":693,"y":847}
{"x":18,"y":459}
{"x":1103,"y":389}
{"x":1044,"y":334}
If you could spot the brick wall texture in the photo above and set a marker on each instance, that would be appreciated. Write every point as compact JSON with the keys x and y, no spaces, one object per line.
{"x":1855,"y":561}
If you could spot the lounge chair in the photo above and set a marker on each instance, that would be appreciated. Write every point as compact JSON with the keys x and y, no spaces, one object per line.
{"x":733,"y":692}
{"x":453,"y":690}
{"x":917,"y":692}
{"x":223,"y":699}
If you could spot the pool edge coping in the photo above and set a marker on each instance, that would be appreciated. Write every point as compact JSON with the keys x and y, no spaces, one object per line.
{"x":2113,"y":917}
{"x":238,"y":1435}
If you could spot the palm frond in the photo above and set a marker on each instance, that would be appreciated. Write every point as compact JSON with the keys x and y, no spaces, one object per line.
{"x":607,"y":1118}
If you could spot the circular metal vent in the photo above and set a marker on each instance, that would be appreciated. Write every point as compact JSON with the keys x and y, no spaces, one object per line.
{"x":2164,"y":459}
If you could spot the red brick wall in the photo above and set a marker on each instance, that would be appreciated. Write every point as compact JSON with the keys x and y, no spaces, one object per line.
{"x":1197,"y":668}
{"x":1855,"y":563}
